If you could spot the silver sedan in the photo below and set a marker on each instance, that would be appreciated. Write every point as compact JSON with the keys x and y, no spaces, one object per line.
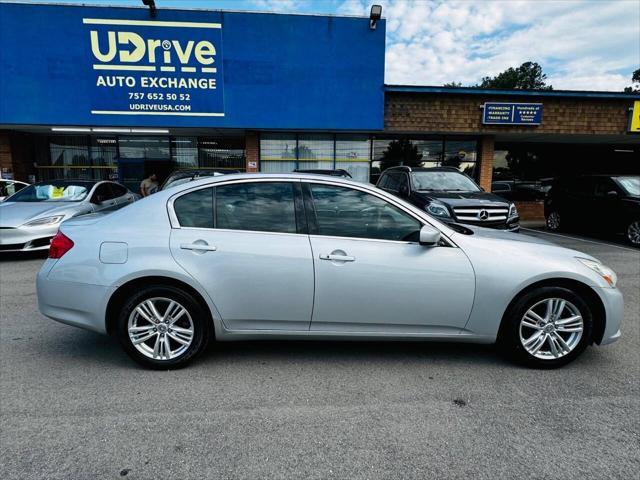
{"x":313,"y":257}
{"x":30,"y":217}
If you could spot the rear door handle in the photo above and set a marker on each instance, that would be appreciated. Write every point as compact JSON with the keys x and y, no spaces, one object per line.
{"x":338,"y":258}
{"x":198,"y":246}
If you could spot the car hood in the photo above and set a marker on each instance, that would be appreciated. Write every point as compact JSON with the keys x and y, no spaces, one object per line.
{"x":456,"y":199}
{"x":14,"y":214}
{"x":490,"y":241}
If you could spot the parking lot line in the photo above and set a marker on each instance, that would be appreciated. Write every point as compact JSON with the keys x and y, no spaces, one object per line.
{"x":582,"y":239}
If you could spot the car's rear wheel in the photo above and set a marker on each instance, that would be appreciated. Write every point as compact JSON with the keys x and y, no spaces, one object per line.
{"x":163,"y":327}
{"x":554,"y":221}
{"x":633,"y":233}
{"x":547,"y":327}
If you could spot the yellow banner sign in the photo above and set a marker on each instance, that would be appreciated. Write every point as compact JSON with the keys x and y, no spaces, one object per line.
{"x":635,"y":117}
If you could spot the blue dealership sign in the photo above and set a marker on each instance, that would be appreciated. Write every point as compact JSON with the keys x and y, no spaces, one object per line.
{"x":115,"y":66}
{"x":149,"y":67}
{"x":512,"y":113}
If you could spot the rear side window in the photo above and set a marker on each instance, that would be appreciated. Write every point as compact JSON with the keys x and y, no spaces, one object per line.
{"x":195,"y":209}
{"x":259,"y":206}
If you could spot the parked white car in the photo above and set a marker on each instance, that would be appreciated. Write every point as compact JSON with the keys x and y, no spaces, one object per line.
{"x":30,"y":218}
{"x":315,"y":257}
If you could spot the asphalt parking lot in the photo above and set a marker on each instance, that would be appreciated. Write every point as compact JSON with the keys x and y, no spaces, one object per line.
{"x":73,"y":406}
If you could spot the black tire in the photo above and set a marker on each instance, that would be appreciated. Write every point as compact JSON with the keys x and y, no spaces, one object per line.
{"x":554,"y":221}
{"x":199,"y":318}
{"x":509,"y":339}
{"x":631,"y":233}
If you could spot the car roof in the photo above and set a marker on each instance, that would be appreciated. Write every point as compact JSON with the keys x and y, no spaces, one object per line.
{"x":405,"y":168}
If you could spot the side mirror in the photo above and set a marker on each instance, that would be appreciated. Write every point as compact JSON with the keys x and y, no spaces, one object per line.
{"x":403,"y":190}
{"x":97,"y":199}
{"x":429,"y":235}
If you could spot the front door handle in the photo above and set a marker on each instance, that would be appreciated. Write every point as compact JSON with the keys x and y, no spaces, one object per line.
{"x":338,"y":258}
{"x":198,"y":246}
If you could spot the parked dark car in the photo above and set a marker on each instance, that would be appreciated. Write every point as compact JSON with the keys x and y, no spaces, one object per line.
{"x":598,"y":203}
{"x":451,"y":196}
{"x":319,"y":171}
{"x":178,"y":177}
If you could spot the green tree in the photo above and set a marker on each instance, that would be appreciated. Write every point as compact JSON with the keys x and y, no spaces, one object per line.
{"x":635,"y":79}
{"x":453,"y":84}
{"x":400,"y":152}
{"x":528,"y":76}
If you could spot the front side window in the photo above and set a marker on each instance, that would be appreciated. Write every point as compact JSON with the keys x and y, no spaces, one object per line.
{"x":345,"y":212}
{"x":195,"y":209}
{"x":259,"y":206}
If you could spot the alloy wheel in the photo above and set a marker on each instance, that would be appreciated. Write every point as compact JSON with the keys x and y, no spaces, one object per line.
{"x":553,"y":221}
{"x":633,"y":232}
{"x":160,"y":328}
{"x":551,"y":328}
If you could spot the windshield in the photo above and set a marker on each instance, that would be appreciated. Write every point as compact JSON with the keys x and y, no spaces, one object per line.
{"x":631,"y":185}
{"x":52,"y":192}
{"x":443,"y":181}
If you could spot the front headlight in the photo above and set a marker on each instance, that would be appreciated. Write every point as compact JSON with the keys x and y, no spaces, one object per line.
{"x":605,"y":272}
{"x":41,"y":222}
{"x":438,"y":209}
{"x":513,"y":211}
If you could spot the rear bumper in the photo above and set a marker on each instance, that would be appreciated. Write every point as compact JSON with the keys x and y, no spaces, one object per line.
{"x":614,"y":311}
{"x":77,"y":304}
{"x":23,"y":239}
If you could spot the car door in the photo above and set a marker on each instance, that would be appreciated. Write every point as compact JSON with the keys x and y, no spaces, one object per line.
{"x":245,"y":242}
{"x":103,"y":198}
{"x":605,"y":203}
{"x":372,"y":275}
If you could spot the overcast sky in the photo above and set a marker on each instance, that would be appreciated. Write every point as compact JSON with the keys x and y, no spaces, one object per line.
{"x":581,"y":44}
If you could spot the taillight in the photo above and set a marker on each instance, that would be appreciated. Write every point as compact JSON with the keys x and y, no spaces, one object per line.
{"x":60,"y":244}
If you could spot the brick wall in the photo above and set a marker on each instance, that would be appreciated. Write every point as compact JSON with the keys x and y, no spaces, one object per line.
{"x":440,"y":113}
{"x":252,"y":149}
{"x":485,"y":158}
{"x":529,"y":211}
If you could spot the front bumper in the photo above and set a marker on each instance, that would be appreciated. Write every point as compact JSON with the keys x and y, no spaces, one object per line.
{"x":78,"y":304}
{"x":25,"y":239}
{"x":614,"y":312}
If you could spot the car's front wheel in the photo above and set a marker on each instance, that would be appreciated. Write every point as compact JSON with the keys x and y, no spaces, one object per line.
{"x":633,"y":233}
{"x":547,"y":327}
{"x":554,"y":222}
{"x":163,"y":327}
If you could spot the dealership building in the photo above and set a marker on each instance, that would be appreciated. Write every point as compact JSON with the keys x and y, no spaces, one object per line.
{"x":115,"y":93}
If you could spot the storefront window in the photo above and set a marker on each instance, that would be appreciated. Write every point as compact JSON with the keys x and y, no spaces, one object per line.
{"x":278,"y":153}
{"x":156,"y":148}
{"x":426,"y":153}
{"x":315,"y":151}
{"x":460,"y":154}
{"x":352,"y":155}
{"x":184,"y":152}
{"x":222,"y":153}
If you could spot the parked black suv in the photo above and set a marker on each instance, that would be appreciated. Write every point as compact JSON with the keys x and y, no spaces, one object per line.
{"x":604,"y":203}
{"x":450,"y":196}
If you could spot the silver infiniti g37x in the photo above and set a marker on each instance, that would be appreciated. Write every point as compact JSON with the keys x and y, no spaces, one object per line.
{"x":300,"y":256}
